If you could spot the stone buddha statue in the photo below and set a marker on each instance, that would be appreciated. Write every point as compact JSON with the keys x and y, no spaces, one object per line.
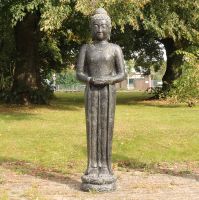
{"x":100,"y":65}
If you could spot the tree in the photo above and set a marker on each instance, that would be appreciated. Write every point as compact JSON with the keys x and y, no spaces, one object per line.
{"x":176,"y":25}
{"x":173,"y":23}
{"x":141,"y":47}
{"x":186,"y":87}
{"x":46,"y":34}
{"x":33,"y":25}
{"x":7,"y":54}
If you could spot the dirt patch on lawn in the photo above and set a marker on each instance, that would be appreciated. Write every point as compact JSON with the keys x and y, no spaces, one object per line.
{"x":131,"y":185}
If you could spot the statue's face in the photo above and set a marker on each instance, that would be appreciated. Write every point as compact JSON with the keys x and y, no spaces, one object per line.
{"x":100,"y":30}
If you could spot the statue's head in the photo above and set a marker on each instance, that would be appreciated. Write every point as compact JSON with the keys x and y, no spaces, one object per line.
{"x":100,"y":25}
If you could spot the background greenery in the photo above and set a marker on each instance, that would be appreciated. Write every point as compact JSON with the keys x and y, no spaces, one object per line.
{"x":57,"y":28}
{"x":53,"y":137}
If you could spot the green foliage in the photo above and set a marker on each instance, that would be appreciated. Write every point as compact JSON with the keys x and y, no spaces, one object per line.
{"x":176,"y":19}
{"x":179,"y":21}
{"x":52,"y":12}
{"x":158,"y":74}
{"x":130,"y":65}
{"x":50,"y":55}
{"x":172,"y":19}
{"x":67,"y":78}
{"x":64,"y":26}
{"x":35,"y":96}
{"x":7,"y":53}
{"x":121,"y":12}
{"x":186,"y":88}
{"x":145,"y":50}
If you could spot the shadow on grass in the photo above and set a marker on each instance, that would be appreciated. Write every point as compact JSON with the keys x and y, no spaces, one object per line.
{"x":131,"y":97}
{"x":143,"y":99}
{"x":14,"y":115}
{"x":126,"y":163}
{"x":71,"y":101}
{"x":24,"y":167}
{"x":75,"y":101}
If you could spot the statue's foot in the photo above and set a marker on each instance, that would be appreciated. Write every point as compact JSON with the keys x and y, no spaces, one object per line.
{"x":93,"y":171}
{"x":104,"y":171}
{"x":98,"y":179}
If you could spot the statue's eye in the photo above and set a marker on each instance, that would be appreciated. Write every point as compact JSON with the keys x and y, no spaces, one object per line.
{"x":95,"y":26}
{"x":104,"y":26}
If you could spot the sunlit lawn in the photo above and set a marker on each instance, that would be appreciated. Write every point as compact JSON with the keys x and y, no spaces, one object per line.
{"x":54,"y":136}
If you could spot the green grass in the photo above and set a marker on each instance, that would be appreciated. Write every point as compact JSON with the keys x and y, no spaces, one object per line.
{"x":53,"y":137}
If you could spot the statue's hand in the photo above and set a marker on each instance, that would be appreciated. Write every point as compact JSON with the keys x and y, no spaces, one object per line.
{"x":100,"y":81}
{"x":97,"y":81}
{"x":107,"y":81}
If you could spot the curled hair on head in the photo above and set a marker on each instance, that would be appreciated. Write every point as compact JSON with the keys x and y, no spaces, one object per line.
{"x":101,"y":13}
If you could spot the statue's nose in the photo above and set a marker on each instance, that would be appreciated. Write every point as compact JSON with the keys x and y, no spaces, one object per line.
{"x":100,"y":29}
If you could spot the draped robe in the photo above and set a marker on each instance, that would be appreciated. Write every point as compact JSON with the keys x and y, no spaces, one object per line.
{"x":105,"y":63}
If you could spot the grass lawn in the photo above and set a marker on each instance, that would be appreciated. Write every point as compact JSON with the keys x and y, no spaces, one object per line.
{"x":53,"y":137}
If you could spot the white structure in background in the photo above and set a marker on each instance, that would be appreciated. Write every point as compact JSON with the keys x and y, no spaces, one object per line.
{"x":129,"y":67}
{"x":130,"y":78}
{"x":137,"y":80}
{"x":54,"y":81}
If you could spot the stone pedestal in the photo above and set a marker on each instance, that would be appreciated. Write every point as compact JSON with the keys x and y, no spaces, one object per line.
{"x":99,"y":183}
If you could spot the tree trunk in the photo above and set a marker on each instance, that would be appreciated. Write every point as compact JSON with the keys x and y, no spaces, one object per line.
{"x":174,"y":62}
{"x":27,"y":74}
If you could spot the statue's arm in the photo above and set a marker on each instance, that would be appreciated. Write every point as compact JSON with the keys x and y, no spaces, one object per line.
{"x":80,"y":67}
{"x":120,"y":67}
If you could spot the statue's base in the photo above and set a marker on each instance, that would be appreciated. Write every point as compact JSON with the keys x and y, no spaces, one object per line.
{"x":105,"y":183}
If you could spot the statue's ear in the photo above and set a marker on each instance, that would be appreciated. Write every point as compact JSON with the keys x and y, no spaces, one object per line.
{"x":109,"y":34}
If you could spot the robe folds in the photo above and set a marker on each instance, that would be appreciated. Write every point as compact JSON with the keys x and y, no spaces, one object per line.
{"x":100,"y":110}
{"x":100,"y":62}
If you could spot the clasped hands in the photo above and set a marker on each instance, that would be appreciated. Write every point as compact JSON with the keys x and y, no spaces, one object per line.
{"x":100,"y":81}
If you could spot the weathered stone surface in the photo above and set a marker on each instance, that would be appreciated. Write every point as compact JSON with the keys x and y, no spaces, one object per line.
{"x":98,"y":183}
{"x":98,"y":188}
{"x":100,"y":65}
{"x":99,"y":180}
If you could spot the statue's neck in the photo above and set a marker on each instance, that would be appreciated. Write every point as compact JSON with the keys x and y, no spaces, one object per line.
{"x":102,"y":42}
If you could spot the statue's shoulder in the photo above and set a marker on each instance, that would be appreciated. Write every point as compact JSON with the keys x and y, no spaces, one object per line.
{"x":116,"y":48}
{"x":88,"y":46}
{"x":83,"y":47}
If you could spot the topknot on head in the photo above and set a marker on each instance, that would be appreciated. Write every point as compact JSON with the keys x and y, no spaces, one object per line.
{"x":101,"y":11}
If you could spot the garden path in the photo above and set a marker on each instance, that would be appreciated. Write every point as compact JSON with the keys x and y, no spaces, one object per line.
{"x":131,"y":185}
